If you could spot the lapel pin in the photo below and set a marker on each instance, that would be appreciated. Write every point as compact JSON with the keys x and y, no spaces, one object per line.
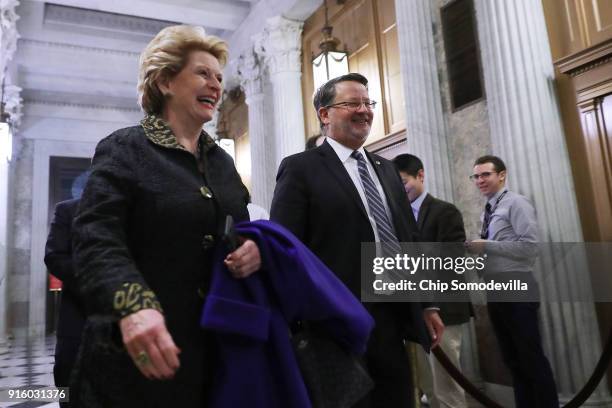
{"x":377,"y":162}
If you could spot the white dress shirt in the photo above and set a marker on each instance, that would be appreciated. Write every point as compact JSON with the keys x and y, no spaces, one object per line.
{"x":416,"y":205}
{"x":350,"y":164}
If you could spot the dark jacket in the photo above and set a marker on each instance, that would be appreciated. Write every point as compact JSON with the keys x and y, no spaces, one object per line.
{"x":143,"y":236}
{"x":251,"y":317}
{"x":440,"y":221}
{"x":58,"y":258}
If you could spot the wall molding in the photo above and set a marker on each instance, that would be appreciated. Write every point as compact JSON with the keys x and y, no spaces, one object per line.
{"x":74,"y":47}
{"x":75,"y":16}
{"x":586,"y":60}
{"x":29,"y":102}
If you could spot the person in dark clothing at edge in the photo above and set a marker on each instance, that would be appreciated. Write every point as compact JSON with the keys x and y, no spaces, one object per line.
{"x":58,"y":258}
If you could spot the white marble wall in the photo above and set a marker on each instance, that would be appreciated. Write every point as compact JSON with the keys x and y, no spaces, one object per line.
{"x":468,"y":136}
{"x":4,"y":221}
{"x":78,"y":87}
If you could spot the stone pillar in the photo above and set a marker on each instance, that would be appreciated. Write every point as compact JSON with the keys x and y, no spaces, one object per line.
{"x":8,"y":33}
{"x":251,"y":72}
{"x":8,"y":45}
{"x":210,"y":127}
{"x":526,"y":131}
{"x":280,"y":47}
{"x":425,"y":123}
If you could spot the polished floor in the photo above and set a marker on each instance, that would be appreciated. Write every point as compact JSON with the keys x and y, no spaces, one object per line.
{"x":27,"y":364}
{"x":31,"y":364}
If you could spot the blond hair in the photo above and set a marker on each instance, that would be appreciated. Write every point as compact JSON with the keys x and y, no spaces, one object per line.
{"x":166,"y":55}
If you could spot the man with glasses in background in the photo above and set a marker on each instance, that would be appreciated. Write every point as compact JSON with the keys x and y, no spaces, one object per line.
{"x":509,"y":237}
{"x":338,"y":195}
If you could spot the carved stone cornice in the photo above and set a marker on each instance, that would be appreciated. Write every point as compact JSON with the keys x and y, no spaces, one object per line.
{"x":8,"y":33}
{"x":81,"y":105}
{"x":281,"y":45}
{"x":13,"y":104}
{"x":586,"y":60}
{"x":80,"y":48}
{"x":250,"y":73}
{"x":74,"y":16}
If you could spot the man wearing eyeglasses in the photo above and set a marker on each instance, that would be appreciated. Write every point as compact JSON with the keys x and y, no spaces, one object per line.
{"x":338,"y":195}
{"x":509,"y":235}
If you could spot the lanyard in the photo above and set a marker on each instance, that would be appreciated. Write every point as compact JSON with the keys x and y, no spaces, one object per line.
{"x":484,"y":234}
{"x":497,"y":202}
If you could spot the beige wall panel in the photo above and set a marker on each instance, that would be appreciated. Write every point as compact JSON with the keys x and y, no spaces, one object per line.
{"x":364,"y":62}
{"x":355,"y":26}
{"x":598,"y":20}
{"x":393,"y":81}
{"x":386,"y":13}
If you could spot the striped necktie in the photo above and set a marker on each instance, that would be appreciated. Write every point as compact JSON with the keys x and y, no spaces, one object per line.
{"x":388,"y":240}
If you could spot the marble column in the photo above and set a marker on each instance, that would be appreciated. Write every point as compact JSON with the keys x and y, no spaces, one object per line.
{"x":251,"y":74}
{"x":8,"y":33}
{"x":280,"y":46}
{"x":210,"y":127}
{"x":527,"y":132}
{"x":8,"y":45}
{"x":4,"y":225}
{"x":425,"y":123}
{"x":426,"y":128}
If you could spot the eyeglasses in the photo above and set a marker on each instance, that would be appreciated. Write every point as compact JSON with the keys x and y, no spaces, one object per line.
{"x":483,"y":175}
{"x":369,"y":105}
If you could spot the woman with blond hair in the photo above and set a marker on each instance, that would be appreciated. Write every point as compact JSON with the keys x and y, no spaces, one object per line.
{"x":150,"y":216}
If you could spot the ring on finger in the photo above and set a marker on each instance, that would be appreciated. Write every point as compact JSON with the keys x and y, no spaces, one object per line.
{"x":142,"y":358}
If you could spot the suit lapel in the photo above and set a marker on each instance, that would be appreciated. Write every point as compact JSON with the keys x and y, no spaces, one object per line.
{"x":424,"y":210}
{"x":337,"y":169}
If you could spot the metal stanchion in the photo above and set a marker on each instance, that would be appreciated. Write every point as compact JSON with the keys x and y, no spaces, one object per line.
{"x":412,"y":357}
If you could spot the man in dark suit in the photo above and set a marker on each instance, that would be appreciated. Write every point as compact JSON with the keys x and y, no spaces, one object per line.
{"x":338,"y":195}
{"x":58,"y":258}
{"x":437,"y":221}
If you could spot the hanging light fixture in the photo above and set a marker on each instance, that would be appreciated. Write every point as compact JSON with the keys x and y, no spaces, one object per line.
{"x":330,"y":63}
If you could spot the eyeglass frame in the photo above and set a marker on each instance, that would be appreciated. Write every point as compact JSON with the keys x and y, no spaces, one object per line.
{"x":370,"y":105}
{"x":483,"y":175}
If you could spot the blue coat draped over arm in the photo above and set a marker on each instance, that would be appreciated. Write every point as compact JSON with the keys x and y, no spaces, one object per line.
{"x":251,"y":317}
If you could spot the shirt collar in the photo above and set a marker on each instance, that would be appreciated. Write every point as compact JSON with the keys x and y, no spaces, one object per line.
{"x":418,"y":202}
{"x":159,"y":132}
{"x":342,"y":151}
{"x":496,"y":196}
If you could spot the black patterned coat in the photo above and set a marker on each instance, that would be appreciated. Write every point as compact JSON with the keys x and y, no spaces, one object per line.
{"x":149,"y":216}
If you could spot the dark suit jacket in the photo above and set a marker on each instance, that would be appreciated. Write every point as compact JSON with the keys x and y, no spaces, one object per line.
{"x":440,"y":221}
{"x":316,"y":199}
{"x":58,"y":258}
